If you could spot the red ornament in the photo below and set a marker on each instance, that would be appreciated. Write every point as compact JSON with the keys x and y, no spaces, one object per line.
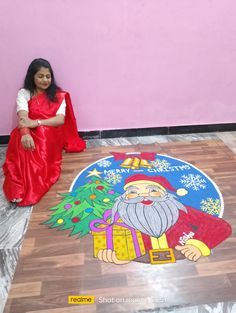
{"x":77,"y":202}
{"x":75,"y":219}
{"x":99,"y":187}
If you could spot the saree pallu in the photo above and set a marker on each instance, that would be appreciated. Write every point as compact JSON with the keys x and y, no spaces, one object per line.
{"x":30,"y":174}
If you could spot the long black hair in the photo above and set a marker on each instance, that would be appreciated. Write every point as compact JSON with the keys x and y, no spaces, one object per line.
{"x":34,"y":67}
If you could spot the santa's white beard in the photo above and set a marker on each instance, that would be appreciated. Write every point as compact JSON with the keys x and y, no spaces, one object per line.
{"x":154,"y":219}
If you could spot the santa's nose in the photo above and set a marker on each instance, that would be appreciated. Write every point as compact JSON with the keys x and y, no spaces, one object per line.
{"x":143,"y":194}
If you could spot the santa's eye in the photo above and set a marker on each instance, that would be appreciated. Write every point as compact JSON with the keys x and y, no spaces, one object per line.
{"x":154,"y":190}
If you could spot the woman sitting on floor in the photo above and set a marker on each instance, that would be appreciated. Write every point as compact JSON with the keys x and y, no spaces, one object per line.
{"x":46,"y":126}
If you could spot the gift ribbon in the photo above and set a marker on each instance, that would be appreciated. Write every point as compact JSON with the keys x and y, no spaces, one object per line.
{"x":109,"y":230}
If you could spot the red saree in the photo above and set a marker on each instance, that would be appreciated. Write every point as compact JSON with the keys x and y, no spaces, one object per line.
{"x":30,"y":174}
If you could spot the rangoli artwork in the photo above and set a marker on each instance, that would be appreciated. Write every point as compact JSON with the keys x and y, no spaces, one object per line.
{"x":143,"y":207}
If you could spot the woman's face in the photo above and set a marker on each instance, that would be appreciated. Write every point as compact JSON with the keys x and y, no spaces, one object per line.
{"x":42,"y":79}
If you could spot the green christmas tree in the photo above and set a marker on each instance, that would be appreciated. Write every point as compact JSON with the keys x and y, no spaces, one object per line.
{"x":81,"y":206}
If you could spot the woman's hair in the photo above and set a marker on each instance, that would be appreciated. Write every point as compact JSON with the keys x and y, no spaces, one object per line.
{"x":34,"y":67}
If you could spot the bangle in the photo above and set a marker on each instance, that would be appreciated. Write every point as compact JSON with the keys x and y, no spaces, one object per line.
{"x":24,"y":131}
{"x":39,"y":122}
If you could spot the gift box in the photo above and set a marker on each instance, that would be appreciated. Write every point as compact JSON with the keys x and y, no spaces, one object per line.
{"x":123,"y":239}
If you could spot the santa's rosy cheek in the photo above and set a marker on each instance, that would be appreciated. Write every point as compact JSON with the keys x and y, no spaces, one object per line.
{"x":157,"y":193}
{"x":131,"y":195}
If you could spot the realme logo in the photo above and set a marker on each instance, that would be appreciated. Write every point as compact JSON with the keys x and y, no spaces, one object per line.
{"x":81,"y":299}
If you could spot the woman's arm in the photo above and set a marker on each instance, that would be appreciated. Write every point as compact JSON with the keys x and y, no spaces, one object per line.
{"x":23,"y":97}
{"x":25,"y":121}
{"x":26,"y":139}
{"x":22,"y":114}
{"x":52,"y":121}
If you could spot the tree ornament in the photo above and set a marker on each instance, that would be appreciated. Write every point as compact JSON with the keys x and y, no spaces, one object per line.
{"x":75,"y":219}
{"x":77,"y":202}
{"x":106,"y":200}
{"x":88,"y":210}
{"x":99,"y":187}
{"x":67,"y":206}
{"x":97,"y":182}
{"x":111,"y":192}
{"x":60,"y":221}
{"x":93,"y":197}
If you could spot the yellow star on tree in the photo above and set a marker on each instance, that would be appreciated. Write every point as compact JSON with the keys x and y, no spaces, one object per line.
{"x":94,"y":172}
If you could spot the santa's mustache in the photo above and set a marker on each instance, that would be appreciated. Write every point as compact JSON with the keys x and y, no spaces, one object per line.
{"x":140,"y":199}
{"x":154,"y":219}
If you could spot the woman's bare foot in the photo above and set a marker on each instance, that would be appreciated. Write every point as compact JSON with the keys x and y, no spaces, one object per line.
{"x":16,"y":200}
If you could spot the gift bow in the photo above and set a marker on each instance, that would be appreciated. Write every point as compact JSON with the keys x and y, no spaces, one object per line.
{"x":135,"y":161}
{"x":109,"y":230}
{"x":148,"y":156}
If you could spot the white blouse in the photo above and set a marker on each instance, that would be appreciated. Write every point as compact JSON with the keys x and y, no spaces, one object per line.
{"x":23,"y":97}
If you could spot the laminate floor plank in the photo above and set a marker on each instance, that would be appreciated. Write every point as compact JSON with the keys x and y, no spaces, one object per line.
{"x":54,"y":265}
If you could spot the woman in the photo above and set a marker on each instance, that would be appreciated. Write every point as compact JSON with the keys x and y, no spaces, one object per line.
{"x":46,"y":126}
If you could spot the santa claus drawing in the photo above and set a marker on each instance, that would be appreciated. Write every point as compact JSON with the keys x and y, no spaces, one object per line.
{"x":150,"y":205}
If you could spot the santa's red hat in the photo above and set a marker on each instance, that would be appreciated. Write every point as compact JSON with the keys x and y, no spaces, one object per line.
{"x":159,"y":181}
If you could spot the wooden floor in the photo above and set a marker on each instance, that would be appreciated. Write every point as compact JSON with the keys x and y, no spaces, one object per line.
{"x":53,"y":266}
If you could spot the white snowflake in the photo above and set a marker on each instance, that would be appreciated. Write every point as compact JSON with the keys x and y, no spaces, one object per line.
{"x":160,"y":164}
{"x":104,"y":163}
{"x":194,"y":182}
{"x":211,"y":206}
{"x":113,"y":178}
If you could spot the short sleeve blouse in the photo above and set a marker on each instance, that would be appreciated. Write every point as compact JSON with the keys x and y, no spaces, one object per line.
{"x":23,"y":97}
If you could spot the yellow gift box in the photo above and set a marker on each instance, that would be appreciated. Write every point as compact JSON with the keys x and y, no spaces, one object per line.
{"x":124,"y":240}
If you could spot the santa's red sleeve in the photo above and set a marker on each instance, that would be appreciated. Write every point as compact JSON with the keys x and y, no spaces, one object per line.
{"x":209,"y":231}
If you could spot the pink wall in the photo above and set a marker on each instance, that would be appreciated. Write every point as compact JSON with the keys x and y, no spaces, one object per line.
{"x":126,"y":63}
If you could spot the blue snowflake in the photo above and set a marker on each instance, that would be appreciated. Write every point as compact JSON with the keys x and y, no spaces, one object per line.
{"x":194,"y":182}
{"x":160,"y":164}
{"x":104,"y":163}
{"x":113,"y":178}
{"x":211,"y":206}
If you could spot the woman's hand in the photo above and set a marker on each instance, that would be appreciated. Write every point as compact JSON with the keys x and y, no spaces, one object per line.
{"x":27,"y":122}
{"x":28,"y":142}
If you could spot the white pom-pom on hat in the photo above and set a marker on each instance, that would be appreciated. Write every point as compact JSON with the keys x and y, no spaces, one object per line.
{"x":181,"y":192}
